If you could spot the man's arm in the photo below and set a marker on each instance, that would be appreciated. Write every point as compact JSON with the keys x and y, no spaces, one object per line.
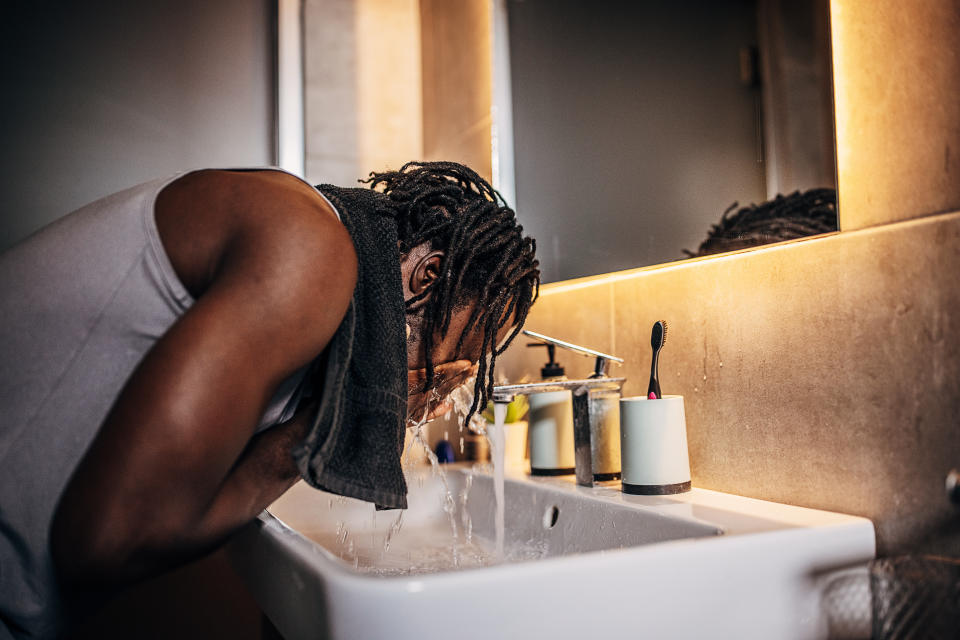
{"x":173,"y":469}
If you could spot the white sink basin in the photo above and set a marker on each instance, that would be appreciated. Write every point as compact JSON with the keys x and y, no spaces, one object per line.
{"x":580,"y":563}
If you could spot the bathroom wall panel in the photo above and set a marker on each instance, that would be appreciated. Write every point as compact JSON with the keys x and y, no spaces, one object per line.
{"x":361,"y":59}
{"x":896,"y":80}
{"x":585,"y":317}
{"x":823,"y":373}
{"x":331,"y":93}
{"x":99,"y":96}
{"x":389,"y":78}
{"x":457,"y":83}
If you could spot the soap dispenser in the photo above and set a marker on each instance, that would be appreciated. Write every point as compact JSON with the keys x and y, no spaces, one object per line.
{"x":551,"y":423}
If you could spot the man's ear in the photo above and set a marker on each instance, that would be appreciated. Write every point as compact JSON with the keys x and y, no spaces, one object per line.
{"x":424,"y":275}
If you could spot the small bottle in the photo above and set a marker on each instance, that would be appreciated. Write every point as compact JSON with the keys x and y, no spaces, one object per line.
{"x":551,"y":423}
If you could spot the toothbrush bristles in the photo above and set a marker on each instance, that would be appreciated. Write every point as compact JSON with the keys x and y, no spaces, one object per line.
{"x":664,"y":341}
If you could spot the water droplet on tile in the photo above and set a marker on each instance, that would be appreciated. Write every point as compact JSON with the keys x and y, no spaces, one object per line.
{"x":704,"y":376}
{"x":721,"y":364}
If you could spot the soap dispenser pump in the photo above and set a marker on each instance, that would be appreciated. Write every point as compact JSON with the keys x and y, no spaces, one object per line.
{"x":551,"y":423}
{"x":552,"y":369}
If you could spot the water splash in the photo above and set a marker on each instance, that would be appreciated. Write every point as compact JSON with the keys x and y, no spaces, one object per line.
{"x":461,"y":399}
{"x":400,"y":545}
{"x":429,"y":549}
{"x":394,"y":530}
{"x":495,"y":436}
{"x":465,"y":518}
{"x":448,"y":504}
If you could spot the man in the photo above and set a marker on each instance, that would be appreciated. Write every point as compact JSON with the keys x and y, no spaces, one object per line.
{"x":177,"y":355}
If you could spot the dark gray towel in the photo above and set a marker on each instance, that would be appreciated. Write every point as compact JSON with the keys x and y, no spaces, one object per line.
{"x":354,"y":446}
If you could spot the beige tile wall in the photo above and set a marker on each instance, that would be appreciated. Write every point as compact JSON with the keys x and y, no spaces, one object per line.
{"x":897,"y":89}
{"x":388,"y":81}
{"x":457,"y":82}
{"x":362,"y":87}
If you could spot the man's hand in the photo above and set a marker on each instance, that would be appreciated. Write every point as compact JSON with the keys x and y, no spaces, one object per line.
{"x":427,"y":405}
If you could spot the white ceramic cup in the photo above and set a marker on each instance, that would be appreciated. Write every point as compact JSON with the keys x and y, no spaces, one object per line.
{"x":551,"y":434}
{"x":653,"y":446}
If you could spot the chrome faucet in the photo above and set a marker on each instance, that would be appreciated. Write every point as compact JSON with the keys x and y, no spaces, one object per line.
{"x":591,"y":400}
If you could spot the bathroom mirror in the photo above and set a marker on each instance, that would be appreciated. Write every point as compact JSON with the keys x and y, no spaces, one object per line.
{"x":636,"y":125}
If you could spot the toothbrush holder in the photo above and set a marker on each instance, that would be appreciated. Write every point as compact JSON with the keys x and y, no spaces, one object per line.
{"x":653,"y":446}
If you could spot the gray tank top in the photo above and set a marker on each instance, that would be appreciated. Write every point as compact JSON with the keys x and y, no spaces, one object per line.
{"x":81,"y":302}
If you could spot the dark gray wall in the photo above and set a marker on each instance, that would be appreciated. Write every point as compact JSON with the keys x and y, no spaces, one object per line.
{"x":101,"y":95}
{"x":633,"y":131}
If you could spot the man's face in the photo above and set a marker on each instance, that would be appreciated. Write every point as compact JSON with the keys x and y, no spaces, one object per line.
{"x":445,"y":347}
{"x":420,"y":270}
{"x":451,"y":368}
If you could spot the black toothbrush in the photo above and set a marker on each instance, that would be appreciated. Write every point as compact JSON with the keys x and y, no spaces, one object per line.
{"x":658,"y":338}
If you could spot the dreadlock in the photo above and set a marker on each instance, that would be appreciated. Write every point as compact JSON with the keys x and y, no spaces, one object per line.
{"x":783,"y":218}
{"x":487,"y":260}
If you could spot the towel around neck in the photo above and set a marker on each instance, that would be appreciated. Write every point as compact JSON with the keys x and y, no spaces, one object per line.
{"x":355,"y":443}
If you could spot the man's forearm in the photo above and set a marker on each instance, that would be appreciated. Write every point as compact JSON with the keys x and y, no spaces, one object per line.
{"x":263,"y":473}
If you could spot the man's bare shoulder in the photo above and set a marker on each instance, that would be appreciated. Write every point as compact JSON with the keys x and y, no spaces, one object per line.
{"x":268,"y":192}
{"x":208,"y":217}
{"x":268,"y":258}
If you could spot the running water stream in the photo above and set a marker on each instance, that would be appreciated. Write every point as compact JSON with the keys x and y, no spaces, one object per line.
{"x":462,"y":398}
{"x":497,"y":445}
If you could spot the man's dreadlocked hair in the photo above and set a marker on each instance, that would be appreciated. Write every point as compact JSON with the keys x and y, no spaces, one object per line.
{"x":486,"y":259}
{"x":783,"y":218}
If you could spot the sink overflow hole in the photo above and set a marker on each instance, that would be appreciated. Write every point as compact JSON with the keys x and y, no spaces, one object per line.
{"x":550,"y":517}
